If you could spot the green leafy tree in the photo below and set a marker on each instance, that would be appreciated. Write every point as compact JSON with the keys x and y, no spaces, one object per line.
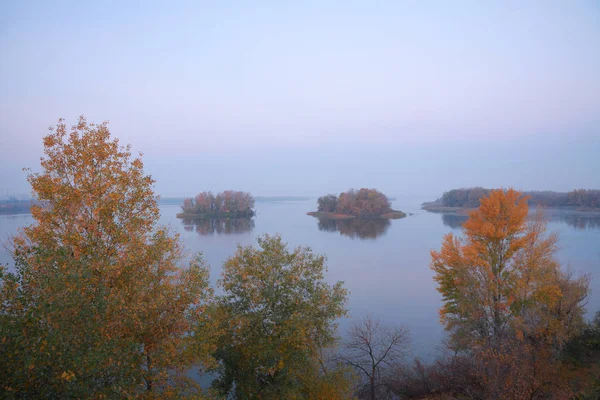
{"x":278,"y":316}
{"x":327,"y":203}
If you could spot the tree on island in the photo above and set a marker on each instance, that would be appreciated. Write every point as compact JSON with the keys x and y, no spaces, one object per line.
{"x":327,"y":203}
{"x":363,"y":203}
{"x":225,"y":204}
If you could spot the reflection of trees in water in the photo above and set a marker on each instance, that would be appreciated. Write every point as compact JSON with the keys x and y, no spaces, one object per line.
{"x":454,"y":221}
{"x":328,"y":225}
{"x":356,"y":227}
{"x":577,"y":220}
{"x":209,"y":226}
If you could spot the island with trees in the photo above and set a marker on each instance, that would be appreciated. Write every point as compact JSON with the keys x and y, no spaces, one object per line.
{"x":363,"y":203}
{"x":462,"y":200}
{"x":227,"y":204}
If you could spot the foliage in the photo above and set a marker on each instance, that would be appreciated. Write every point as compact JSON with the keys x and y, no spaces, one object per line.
{"x":506,"y":300}
{"x":229,"y":202}
{"x":364,"y":203}
{"x":464,"y":197}
{"x":98,"y":306}
{"x":584,"y":198}
{"x":449,"y":377}
{"x":278,"y":315}
{"x":502,"y":278}
{"x":583,"y":352}
{"x":470,"y":198}
{"x":327,"y":203}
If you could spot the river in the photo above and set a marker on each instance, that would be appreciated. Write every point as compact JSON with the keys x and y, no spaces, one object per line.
{"x":385,"y":266}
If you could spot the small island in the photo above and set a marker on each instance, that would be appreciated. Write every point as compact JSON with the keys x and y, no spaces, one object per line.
{"x":460,"y":201}
{"x":363,"y":203}
{"x":227,"y":204}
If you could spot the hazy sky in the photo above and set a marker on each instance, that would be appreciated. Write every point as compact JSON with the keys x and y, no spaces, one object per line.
{"x":311,"y":97}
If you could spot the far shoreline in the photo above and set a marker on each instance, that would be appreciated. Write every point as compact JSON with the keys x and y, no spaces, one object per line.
{"x":434,"y":207}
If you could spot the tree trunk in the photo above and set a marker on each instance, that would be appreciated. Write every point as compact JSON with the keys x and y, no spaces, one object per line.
{"x":149,"y":379}
{"x":373,"y":387}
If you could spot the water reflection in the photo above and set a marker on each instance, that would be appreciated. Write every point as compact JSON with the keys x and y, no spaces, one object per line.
{"x":225,"y":226}
{"x":454,"y":221}
{"x":355,"y":228}
{"x":575,"y":219}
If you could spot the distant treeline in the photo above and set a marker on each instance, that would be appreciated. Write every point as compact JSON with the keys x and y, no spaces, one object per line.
{"x":359,"y":203}
{"x":469,"y":198}
{"x":227,"y":203}
{"x":14,"y":206}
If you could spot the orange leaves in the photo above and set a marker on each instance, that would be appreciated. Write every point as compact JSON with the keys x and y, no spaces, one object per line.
{"x":503,"y":275}
{"x":67,"y":376}
{"x":501,"y":214}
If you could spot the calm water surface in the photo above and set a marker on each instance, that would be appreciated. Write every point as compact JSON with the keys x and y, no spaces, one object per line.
{"x":384,"y":265}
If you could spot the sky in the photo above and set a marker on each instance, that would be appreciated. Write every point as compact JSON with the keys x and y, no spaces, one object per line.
{"x":312,"y":97}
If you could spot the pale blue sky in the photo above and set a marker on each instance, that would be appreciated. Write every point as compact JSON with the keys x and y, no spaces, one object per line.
{"x":311,"y":97}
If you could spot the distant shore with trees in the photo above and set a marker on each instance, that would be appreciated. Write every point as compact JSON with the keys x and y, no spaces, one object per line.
{"x":363,"y":203}
{"x":14,"y":206}
{"x":227,"y":204}
{"x":462,"y":200}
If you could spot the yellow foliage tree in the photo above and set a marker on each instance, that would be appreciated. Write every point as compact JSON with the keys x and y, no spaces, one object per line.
{"x":505,"y":296}
{"x":98,"y":306}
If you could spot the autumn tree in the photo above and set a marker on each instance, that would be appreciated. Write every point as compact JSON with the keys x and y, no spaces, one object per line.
{"x":98,"y":305}
{"x":228,"y":203}
{"x":505,"y":296}
{"x":374,"y":350}
{"x":363,"y":203}
{"x":584,"y":198}
{"x":278,"y":315}
{"x":327,"y":203}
